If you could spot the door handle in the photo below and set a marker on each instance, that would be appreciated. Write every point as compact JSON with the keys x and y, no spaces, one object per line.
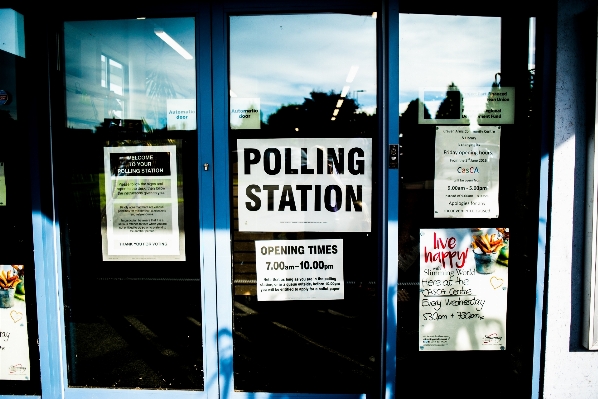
{"x":206,"y":166}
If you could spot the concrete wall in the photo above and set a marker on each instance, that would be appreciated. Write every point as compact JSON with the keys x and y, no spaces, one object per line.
{"x":570,"y":371}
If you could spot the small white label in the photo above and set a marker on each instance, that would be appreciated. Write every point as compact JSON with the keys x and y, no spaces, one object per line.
{"x":245,"y":113}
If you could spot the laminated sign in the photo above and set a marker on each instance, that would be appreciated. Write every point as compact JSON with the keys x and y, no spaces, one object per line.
{"x":14,"y":340}
{"x":299,"y":270}
{"x":142,"y":206}
{"x":305,"y":184}
{"x":463,"y":289}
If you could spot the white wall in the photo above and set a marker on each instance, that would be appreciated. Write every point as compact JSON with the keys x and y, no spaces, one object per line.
{"x":570,"y":371}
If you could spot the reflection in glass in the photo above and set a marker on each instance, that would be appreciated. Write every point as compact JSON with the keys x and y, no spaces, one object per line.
{"x":305,"y":76}
{"x":449,"y":67}
{"x":133,"y":322}
{"x":141,"y":70}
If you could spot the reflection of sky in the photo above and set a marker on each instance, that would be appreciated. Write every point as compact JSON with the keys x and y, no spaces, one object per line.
{"x":282,"y":58}
{"x":437,"y":50}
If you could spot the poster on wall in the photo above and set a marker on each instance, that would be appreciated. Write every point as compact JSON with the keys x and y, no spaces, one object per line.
{"x":466,"y":172}
{"x":2,"y":185}
{"x":14,"y":341}
{"x":299,"y":270}
{"x":305,"y":184}
{"x":463,"y":289}
{"x":142,"y":204}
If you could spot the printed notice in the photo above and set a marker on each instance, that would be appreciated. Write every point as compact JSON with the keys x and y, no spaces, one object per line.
{"x":2,"y":185}
{"x":305,"y":184}
{"x":469,"y":105}
{"x":181,"y":114}
{"x":245,"y":113}
{"x":14,"y":341}
{"x":463,"y":289}
{"x":142,"y":210}
{"x":299,"y":270}
{"x":466,"y":172}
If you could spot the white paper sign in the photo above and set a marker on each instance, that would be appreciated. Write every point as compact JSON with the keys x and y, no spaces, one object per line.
{"x":14,"y":342}
{"x":141,"y":202}
{"x":181,"y":115}
{"x":299,"y":270}
{"x":305,"y":184}
{"x":463,"y":290}
{"x":245,"y":113}
{"x":2,"y":185}
{"x":468,"y":105}
{"x":466,"y":172}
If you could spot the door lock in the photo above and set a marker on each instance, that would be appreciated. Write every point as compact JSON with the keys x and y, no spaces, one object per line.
{"x":206,"y":166}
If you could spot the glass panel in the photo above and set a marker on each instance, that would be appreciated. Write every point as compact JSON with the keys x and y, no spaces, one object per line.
{"x":131,"y":259}
{"x":303,"y":126}
{"x":19,"y":353}
{"x":469,"y":177}
{"x":142,"y":70}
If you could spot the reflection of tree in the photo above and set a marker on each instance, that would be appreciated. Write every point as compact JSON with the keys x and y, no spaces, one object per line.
{"x":314,"y":118}
{"x":416,"y":159}
{"x":158,"y":83}
{"x":451,"y":106}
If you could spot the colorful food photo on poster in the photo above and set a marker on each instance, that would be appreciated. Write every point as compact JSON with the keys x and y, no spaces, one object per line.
{"x":463,"y":289}
{"x":299,"y":270}
{"x":14,"y":341}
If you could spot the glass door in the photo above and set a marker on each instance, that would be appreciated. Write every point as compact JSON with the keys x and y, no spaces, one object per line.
{"x":136,"y":242}
{"x":469,"y":166}
{"x":299,"y":269}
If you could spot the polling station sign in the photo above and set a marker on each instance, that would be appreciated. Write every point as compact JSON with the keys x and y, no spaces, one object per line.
{"x":305,"y":184}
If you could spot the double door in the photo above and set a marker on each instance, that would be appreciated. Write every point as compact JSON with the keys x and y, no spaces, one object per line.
{"x":222,"y":212}
{"x":249,"y":205}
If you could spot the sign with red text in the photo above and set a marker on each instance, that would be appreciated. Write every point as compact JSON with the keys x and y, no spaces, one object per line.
{"x":463,"y":289}
{"x":142,"y":204}
{"x":466,"y":172}
{"x":299,"y":270}
{"x":305,"y":184}
{"x":14,"y":339}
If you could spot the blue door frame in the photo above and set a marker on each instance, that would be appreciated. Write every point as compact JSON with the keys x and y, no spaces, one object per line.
{"x":212,"y":106}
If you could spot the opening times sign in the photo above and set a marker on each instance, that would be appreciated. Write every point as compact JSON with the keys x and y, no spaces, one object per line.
{"x":299,"y":270}
{"x":305,"y":184}
{"x":466,"y":172}
{"x":141,"y":202}
{"x":463,"y":289}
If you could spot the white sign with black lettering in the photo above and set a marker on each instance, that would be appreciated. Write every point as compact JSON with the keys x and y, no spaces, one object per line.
{"x":305,"y":184}
{"x":466,"y":172}
{"x":299,"y":270}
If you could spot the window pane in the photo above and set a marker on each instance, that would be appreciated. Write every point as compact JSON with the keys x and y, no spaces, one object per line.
{"x":304,"y":87}
{"x":130,"y":213}
{"x":467,"y":75}
{"x":142,"y":70}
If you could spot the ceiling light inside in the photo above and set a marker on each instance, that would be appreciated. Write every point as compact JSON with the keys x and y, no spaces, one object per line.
{"x":172,"y":43}
{"x":352,"y":73}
